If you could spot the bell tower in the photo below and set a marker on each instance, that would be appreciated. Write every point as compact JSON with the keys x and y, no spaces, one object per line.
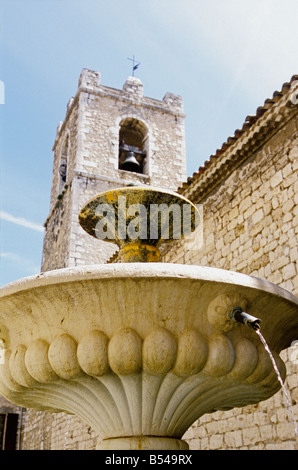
{"x":109,"y":138}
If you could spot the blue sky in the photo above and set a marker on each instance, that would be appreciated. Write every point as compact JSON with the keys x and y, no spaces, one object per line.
{"x":225,"y":57}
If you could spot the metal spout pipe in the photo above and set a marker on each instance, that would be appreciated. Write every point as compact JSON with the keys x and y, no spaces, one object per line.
{"x":238,"y":315}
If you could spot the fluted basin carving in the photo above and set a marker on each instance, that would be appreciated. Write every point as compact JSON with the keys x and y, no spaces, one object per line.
{"x":140,"y":351}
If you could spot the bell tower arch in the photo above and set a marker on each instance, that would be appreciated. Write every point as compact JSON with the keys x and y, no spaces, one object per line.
{"x":109,"y":138}
{"x":134,"y":139}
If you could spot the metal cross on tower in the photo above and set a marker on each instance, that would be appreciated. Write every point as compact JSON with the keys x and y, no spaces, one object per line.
{"x":135,"y":65}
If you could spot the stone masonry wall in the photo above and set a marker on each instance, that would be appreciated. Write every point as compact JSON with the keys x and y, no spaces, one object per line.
{"x":92,"y":125}
{"x":251,"y":226}
{"x":57,"y":234}
{"x":47,"y":431}
{"x":101,"y":113}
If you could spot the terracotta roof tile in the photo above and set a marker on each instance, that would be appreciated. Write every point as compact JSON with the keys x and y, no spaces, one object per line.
{"x":249,"y":121}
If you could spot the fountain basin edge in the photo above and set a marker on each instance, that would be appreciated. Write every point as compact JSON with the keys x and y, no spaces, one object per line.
{"x":140,"y":349}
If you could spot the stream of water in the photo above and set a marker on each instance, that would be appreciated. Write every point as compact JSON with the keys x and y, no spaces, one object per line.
{"x":287,"y":398}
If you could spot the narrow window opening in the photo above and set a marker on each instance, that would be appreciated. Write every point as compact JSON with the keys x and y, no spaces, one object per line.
{"x":63,"y":163}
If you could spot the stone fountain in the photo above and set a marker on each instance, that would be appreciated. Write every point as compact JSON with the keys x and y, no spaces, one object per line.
{"x":140,"y":349}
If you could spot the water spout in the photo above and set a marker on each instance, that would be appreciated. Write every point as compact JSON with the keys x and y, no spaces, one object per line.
{"x":238,"y":315}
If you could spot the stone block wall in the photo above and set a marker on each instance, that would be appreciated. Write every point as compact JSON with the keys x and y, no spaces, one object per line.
{"x":250,"y":225}
{"x":47,"y":431}
{"x":88,"y":139}
{"x":103,"y":109}
{"x":88,"y":142}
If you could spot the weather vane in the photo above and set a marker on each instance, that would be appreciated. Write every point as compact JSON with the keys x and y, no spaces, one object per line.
{"x":135,"y":64}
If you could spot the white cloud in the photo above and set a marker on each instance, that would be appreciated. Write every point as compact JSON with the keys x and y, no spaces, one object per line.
{"x":25,"y":264}
{"x":253,"y":43}
{"x":21,"y":221}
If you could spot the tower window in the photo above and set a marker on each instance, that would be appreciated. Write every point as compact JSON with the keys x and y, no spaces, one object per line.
{"x":63,"y":163}
{"x":133,"y":145}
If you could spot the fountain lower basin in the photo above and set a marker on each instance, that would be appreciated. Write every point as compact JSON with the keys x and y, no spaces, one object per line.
{"x":140,"y":351}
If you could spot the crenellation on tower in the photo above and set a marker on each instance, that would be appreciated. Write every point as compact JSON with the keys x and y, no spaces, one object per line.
{"x":174,"y":102}
{"x":89,"y":78}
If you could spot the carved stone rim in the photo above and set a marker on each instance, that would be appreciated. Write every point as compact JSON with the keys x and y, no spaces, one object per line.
{"x":272,"y":304}
{"x":145,"y":270}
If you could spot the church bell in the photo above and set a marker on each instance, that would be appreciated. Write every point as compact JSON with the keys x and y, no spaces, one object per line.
{"x":131,"y":163}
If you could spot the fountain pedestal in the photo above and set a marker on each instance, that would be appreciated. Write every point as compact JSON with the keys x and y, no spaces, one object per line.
{"x":143,"y":443}
{"x":141,"y":350}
